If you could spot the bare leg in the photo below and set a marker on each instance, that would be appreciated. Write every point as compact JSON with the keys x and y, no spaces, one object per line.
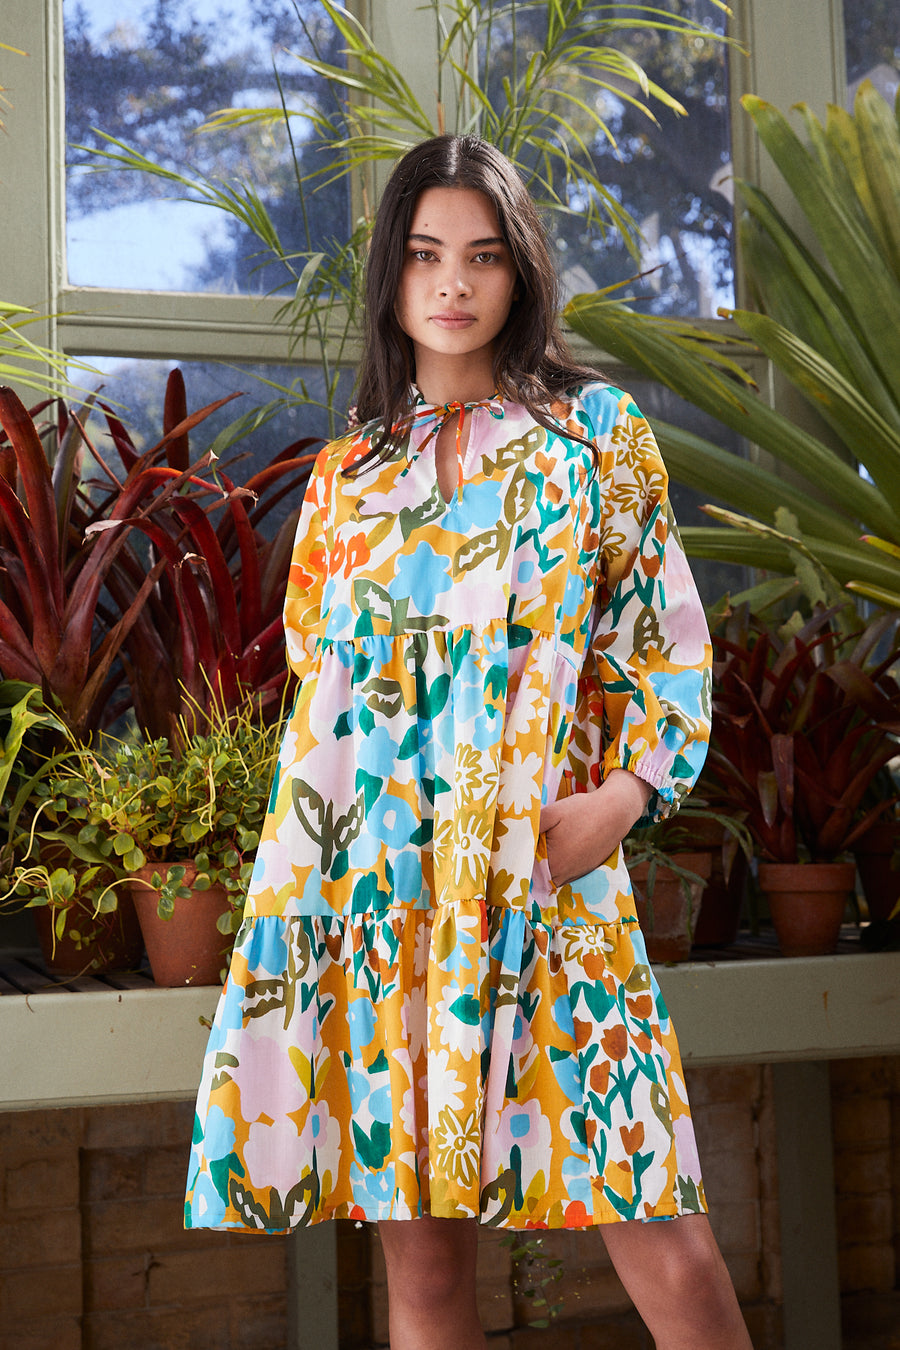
{"x":431,"y":1283}
{"x":677,"y":1280}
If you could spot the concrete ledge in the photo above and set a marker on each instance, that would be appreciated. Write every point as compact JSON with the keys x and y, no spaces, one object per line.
{"x":98,"y":1045}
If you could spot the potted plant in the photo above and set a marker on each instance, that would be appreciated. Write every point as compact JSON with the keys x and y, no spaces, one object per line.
{"x":177,"y":823}
{"x":83,"y":926}
{"x":671,"y":864}
{"x":806,"y":716}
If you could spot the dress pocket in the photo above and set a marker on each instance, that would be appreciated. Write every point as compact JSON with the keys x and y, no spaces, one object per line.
{"x":542,"y":882}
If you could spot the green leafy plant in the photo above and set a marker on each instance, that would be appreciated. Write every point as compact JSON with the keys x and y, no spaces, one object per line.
{"x":127,"y":804}
{"x":535,"y":1275}
{"x":830,"y":324}
{"x":696,"y":824}
{"x":32,"y":745}
{"x":54,"y":631}
{"x":81,"y":897}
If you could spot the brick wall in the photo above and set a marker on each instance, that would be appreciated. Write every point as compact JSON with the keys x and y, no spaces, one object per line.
{"x":93,"y":1254}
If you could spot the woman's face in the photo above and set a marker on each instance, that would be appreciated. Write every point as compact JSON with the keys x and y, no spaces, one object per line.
{"x":457,"y":281}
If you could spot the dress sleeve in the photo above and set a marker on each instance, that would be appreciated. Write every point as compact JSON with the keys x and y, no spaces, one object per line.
{"x":645,"y":691}
{"x":306,"y":578}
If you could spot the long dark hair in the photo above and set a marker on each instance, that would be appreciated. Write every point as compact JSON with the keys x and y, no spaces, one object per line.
{"x":532,"y":363}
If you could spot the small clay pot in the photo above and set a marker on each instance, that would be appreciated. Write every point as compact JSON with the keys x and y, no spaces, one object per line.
{"x":807,"y":903}
{"x":116,"y":942}
{"x":188,"y":948}
{"x":874,"y":851}
{"x":669,"y":916}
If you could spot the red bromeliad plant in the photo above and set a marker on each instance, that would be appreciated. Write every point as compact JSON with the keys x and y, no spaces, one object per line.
{"x":81,"y":607}
{"x":212,"y":630}
{"x":804,"y":722}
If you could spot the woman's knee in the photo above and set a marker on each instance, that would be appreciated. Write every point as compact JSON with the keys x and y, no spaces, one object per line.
{"x":680,"y":1254}
{"x":429,"y":1261}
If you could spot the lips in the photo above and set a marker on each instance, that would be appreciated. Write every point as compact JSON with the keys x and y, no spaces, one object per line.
{"x":453,"y":319}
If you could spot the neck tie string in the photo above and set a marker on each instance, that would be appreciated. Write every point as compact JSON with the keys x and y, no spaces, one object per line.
{"x":442,"y":413}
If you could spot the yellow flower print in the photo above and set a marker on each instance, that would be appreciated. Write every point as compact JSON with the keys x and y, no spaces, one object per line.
{"x":634,"y":440}
{"x":458,"y":1146}
{"x":579,"y":942}
{"x":467,"y":841}
{"x":476,"y":776}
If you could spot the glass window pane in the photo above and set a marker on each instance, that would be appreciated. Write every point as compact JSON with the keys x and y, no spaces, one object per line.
{"x":149,"y":75}
{"x":673,"y":176}
{"x":872,"y":35}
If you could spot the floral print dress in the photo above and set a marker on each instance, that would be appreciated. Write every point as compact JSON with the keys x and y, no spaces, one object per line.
{"x":417,"y":1019}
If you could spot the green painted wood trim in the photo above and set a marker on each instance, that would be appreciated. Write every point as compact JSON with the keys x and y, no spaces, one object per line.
{"x":809,"y":1263}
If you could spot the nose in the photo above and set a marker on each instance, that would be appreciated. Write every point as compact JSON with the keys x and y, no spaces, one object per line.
{"x":454,"y":281}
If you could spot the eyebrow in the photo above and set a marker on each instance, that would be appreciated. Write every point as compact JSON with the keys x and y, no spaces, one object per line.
{"x":473,"y":243}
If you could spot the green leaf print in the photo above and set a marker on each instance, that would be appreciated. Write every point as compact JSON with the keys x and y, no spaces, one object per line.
{"x":690,"y":1200}
{"x":495,"y":682}
{"x":466,"y":1009}
{"x":659,"y":1101}
{"x":370,"y":786}
{"x":597,"y":998}
{"x":373,"y":1148}
{"x":474,"y":551}
{"x":460,"y":648}
{"x":368,"y":595}
{"x":409,"y":746}
{"x":362,"y":664}
{"x":506,"y":1186}
{"x":320,"y":824}
{"x":383,"y":695}
{"x":431,"y":700}
{"x":412,"y":518}
{"x":519,"y":498}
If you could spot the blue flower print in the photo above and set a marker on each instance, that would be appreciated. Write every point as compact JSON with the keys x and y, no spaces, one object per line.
{"x":480,"y":506}
{"x":577,"y":1179}
{"x":682,"y":689}
{"x":364,"y":851}
{"x":361,"y":1016}
{"x":377,"y":754}
{"x":407,"y":876}
{"x":393,"y":820}
{"x":206,"y":1208}
{"x":267,"y":949}
{"x":218,"y":1137}
{"x":369,"y":1186}
{"x":421,"y":576}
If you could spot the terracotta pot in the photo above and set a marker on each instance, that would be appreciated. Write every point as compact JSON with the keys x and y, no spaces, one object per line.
{"x":116,"y":942}
{"x":668,"y":917}
{"x":719,"y":920}
{"x":807,"y":903}
{"x":187,"y":948}
{"x":880,"y":882}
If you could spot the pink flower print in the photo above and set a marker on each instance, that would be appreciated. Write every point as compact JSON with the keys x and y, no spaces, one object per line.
{"x":270,"y":1155}
{"x":268,"y":1082}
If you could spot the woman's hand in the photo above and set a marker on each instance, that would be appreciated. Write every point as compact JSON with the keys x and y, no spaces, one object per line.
{"x":583,"y":830}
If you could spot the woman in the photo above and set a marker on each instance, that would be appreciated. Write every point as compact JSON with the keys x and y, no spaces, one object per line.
{"x":440,"y":1010}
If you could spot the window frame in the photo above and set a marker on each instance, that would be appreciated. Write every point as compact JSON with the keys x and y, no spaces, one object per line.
{"x":795,"y":50}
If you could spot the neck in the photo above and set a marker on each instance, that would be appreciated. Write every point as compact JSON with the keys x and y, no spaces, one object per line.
{"x":448,"y":379}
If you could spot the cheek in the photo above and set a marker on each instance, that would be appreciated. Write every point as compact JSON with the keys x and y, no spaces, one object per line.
{"x":403,"y":306}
